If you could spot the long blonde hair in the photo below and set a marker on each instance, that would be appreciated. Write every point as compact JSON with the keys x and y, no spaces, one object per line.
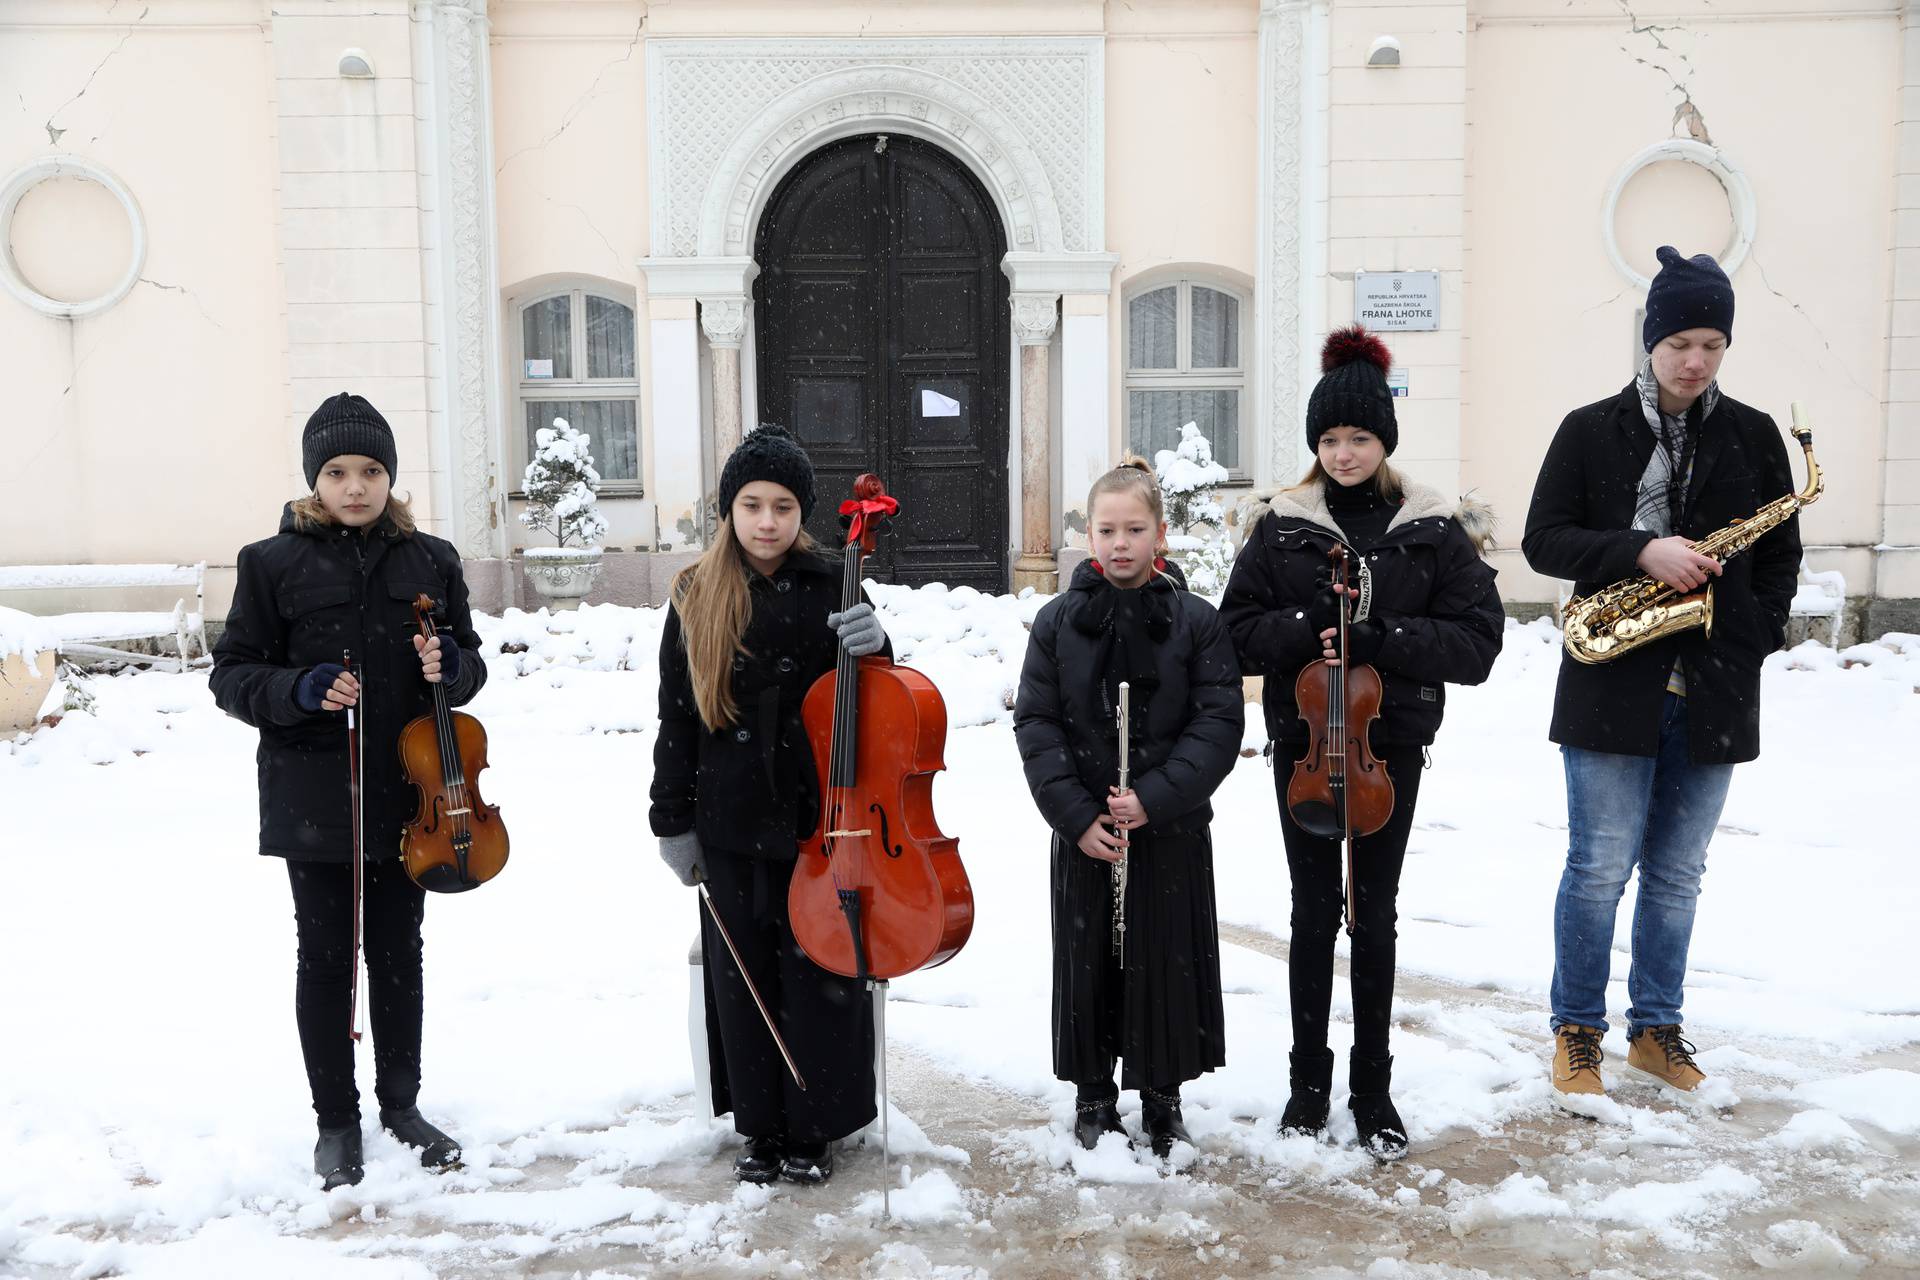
{"x":711,"y":596}
{"x":309,"y":513}
{"x":1386,"y":481}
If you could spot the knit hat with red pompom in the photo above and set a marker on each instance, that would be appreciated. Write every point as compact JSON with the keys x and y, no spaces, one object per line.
{"x":1352,"y":391}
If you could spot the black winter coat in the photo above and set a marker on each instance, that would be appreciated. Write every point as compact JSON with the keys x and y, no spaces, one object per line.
{"x":1580,"y":527}
{"x":301,"y":599}
{"x":1185,"y":739}
{"x":750,"y":787}
{"x":1432,"y":591}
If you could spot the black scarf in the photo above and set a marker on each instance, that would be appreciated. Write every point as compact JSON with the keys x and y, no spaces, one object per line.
{"x":1128,"y":624}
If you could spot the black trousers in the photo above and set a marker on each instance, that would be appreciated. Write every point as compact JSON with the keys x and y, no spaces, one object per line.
{"x":826,"y":1020}
{"x":1317,"y":868}
{"x":322,"y":993}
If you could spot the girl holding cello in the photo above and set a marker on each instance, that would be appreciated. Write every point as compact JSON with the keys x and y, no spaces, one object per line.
{"x":1136,"y":962}
{"x":1423,"y":613}
{"x":339,"y":581}
{"x":754,"y":622}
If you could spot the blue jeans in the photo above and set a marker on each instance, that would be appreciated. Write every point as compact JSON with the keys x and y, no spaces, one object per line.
{"x":1658,"y":812}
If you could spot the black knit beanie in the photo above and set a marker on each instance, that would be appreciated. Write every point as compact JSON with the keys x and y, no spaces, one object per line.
{"x":768,"y":454}
{"x":1352,"y":391}
{"x":1689,"y":293}
{"x":345,"y":424}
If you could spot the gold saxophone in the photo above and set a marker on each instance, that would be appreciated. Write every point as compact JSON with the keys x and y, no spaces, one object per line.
{"x":1637,"y":611}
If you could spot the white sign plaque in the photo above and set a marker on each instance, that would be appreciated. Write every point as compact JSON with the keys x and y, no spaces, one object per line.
{"x":1397,"y":300}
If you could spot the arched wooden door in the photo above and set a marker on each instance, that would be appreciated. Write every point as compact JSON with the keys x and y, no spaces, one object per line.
{"x":882,"y":331}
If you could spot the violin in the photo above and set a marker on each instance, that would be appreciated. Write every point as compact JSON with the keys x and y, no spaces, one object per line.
{"x":456,"y":840}
{"x":878,"y":890}
{"x":1339,"y":790}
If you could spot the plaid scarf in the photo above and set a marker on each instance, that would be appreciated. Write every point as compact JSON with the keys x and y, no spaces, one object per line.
{"x":1661,"y":502}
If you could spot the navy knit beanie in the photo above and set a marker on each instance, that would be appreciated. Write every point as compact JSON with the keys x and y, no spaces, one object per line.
{"x":345,"y":424}
{"x":1353,"y":389}
{"x":1689,"y":293}
{"x":768,"y":454}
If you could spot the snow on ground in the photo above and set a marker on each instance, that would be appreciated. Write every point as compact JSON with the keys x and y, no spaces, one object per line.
{"x":153,"y":1114}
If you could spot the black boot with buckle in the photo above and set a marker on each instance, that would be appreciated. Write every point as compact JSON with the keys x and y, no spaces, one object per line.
{"x":1094,"y":1113}
{"x":1160,"y":1117}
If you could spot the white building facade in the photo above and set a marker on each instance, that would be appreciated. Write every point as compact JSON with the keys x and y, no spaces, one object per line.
{"x":983,"y":248}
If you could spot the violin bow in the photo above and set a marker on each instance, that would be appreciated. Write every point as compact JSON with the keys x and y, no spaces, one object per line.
{"x":714,"y":913}
{"x":1346,"y":808}
{"x":354,"y":798}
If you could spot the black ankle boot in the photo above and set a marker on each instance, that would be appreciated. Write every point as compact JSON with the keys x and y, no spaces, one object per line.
{"x":760,"y":1162}
{"x":1160,"y":1117}
{"x":808,"y":1162}
{"x":437,"y":1150}
{"x":337,"y":1159}
{"x":1383,"y":1135}
{"x":1310,"y":1076}
{"x":1095,"y":1115}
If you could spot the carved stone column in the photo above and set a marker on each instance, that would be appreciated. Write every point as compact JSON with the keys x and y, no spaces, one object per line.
{"x":1034,"y":317}
{"x":724,"y":320}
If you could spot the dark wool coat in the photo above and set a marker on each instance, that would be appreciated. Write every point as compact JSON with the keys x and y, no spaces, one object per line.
{"x":750,"y":787}
{"x":1186,"y":737}
{"x":1431,"y":590}
{"x":1579,"y":528}
{"x":301,"y":599}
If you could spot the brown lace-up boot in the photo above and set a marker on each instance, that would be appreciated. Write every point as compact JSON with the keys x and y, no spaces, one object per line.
{"x":1663,"y":1054}
{"x":1576,"y":1065}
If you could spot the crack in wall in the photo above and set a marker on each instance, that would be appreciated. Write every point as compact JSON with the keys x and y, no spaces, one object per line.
{"x":53,"y":132}
{"x":190,"y":296}
{"x":1687,"y":112}
{"x":580,"y":104}
{"x":1801,"y":311}
{"x":588,"y":219}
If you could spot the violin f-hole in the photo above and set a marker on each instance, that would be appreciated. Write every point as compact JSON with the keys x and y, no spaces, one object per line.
{"x":886,"y":841}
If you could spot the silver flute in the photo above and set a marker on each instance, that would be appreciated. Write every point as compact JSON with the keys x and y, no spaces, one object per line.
{"x":1119,"y":869}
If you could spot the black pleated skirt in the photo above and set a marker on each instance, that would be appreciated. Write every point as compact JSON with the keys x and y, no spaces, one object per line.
{"x":1160,"y":1012}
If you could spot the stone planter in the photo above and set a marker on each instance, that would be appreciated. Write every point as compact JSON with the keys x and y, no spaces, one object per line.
{"x":24,"y":686}
{"x":562,"y":576}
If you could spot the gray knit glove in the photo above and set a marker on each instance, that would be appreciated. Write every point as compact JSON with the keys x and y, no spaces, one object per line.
{"x":859,"y":630}
{"x":682,"y":854}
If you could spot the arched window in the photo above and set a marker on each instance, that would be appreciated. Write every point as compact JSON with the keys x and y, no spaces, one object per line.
{"x":575,"y":358}
{"x":1186,"y":362}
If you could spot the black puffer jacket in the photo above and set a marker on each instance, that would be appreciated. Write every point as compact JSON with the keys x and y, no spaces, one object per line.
{"x":750,"y":787}
{"x":1432,"y":592}
{"x":1185,"y":738}
{"x":1580,"y":527}
{"x":302,"y":599}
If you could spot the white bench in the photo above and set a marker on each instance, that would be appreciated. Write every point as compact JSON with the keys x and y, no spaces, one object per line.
{"x":1821,"y":597}
{"x":94,"y":635}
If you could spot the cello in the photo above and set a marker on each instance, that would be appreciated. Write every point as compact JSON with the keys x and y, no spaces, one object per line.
{"x":877,"y":891}
{"x":456,"y":840}
{"x":1339,"y":789}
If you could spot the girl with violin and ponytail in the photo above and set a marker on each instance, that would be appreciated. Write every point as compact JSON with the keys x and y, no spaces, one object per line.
{"x":1423,"y":612}
{"x":754,"y":622}
{"x":1136,"y":961}
{"x":336,"y":584}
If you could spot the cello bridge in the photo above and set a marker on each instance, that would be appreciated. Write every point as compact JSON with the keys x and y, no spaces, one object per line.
{"x":841,"y":835}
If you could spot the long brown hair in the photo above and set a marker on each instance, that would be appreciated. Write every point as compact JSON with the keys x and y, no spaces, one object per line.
{"x":711,"y":597}
{"x":1386,"y":481}
{"x":309,"y":513}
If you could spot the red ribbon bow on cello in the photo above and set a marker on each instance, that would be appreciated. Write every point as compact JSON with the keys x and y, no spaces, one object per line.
{"x":864,"y":509}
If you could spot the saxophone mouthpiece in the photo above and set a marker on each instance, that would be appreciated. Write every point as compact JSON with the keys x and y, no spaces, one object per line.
{"x":1801,"y":426}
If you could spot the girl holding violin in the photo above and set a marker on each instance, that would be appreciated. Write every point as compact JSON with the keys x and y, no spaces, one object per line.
{"x":322,"y":629}
{"x":1421,"y":611}
{"x":1136,"y":963}
{"x":754,"y":622}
